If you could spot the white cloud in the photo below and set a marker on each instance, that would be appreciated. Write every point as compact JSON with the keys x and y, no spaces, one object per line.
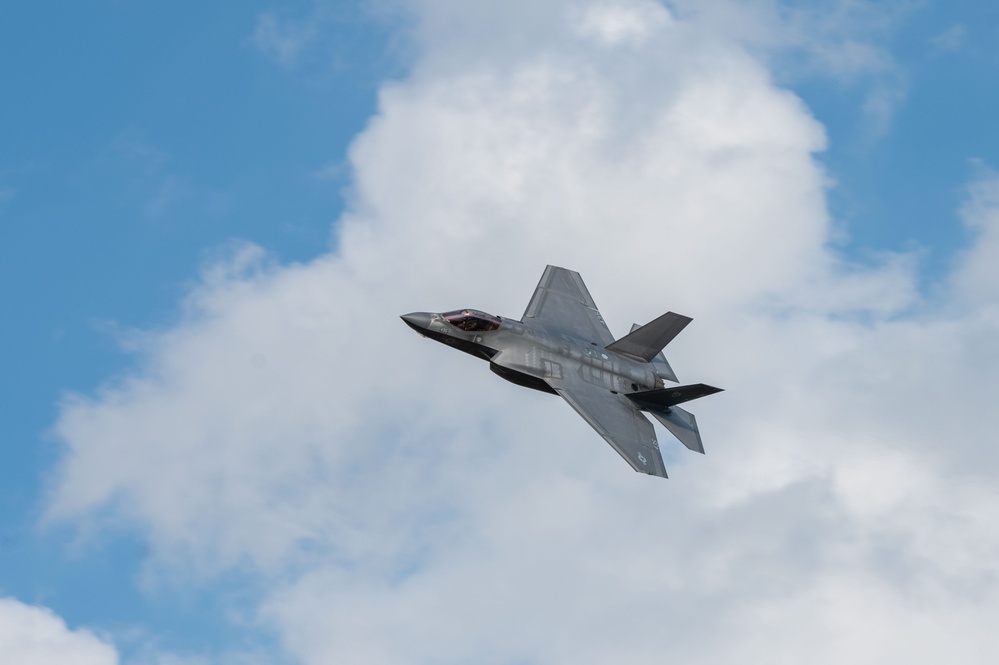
{"x":843,"y":38}
{"x":32,"y":635}
{"x":844,"y":42}
{"x":950,"y":39}
{"x":615,"y":23}
{"x":406,"y":505}
{"x":283,"y":39}
{"x":977,"y":275}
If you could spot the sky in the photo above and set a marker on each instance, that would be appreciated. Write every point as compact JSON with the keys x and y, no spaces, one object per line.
{"x":220,"y":445}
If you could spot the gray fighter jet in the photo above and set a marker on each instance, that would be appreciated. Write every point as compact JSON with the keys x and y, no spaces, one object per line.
{"x":561,"y":345}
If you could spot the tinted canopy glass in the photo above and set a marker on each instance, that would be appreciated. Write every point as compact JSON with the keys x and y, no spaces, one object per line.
{"x":472,"y":320}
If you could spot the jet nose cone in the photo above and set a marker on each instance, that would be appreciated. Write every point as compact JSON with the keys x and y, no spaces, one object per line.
{"x":418,"y":321}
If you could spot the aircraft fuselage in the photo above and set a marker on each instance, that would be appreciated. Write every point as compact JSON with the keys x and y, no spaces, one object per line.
{"x":527,"y":356}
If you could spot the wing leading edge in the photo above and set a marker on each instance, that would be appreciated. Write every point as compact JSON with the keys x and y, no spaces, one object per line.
{"x":561,"y":303}
{"x":621,"y":424}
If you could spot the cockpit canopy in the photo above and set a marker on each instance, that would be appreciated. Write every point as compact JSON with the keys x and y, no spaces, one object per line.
{"x":471,"y":320}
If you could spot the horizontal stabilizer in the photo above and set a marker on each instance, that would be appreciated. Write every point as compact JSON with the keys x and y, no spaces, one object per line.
{"x":646,"y":342}
{"x":682,"y":425}
{"x":667,"y":397}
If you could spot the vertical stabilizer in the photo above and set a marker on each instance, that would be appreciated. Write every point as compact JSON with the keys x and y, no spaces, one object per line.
{"x":646,"y":342}
{"x":659,"y":363}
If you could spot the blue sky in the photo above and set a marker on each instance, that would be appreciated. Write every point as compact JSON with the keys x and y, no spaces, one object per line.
{"x":905,"y":184}
{"x":138,"y":143}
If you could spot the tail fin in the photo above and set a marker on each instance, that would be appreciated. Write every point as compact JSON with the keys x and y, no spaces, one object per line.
{"x":659,"y":363}
{"x":646,"y":342}
{"x":682,"y":425}
{"x":664,"y":398}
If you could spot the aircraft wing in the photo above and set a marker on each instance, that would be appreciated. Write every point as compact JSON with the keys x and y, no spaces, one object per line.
{"x":562,"y":304}
{"x":620,"y":423}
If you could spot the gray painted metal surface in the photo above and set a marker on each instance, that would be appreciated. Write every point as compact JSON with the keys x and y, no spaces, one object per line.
{"x":563,"y":346}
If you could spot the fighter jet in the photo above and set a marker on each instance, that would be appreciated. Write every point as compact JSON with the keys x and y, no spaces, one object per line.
{"x":563,"y":346}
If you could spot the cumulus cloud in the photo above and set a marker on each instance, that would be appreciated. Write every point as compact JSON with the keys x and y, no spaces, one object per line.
{"x":31,"y":635}
{"x":405,"y":504}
